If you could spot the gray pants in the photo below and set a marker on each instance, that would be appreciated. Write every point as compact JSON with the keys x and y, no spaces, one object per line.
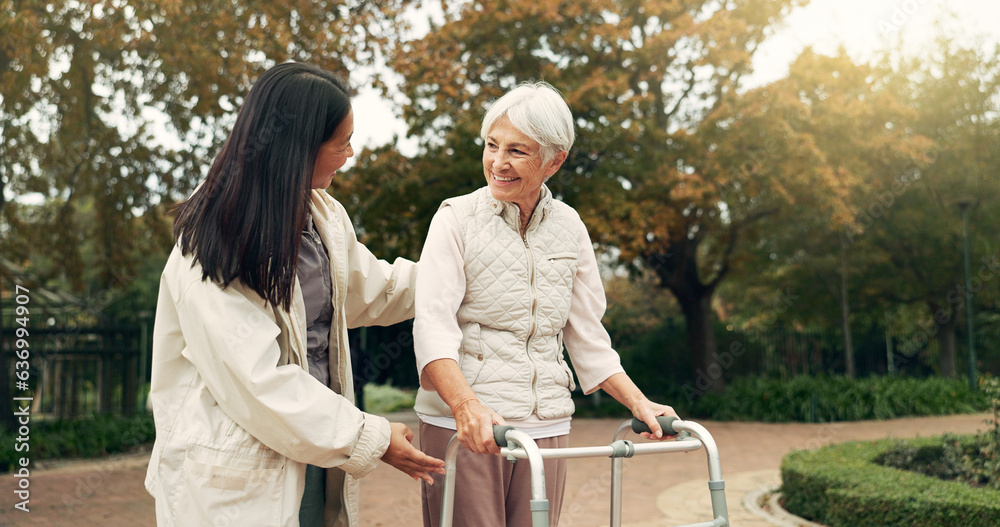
{"x":489,"y":490}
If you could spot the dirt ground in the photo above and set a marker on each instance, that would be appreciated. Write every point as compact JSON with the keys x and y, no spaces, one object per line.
{"x":110,"y":493}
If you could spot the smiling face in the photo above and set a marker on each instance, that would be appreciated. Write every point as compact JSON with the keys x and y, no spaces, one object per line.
{"x":513,"y":165}
{"x":334,"y":153}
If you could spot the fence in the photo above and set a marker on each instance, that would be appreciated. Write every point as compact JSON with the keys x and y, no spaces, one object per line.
{"x":663,"y":357}
{"x":105,"y":369}
{"x":786,"y":353}
{"x":76,"y":372}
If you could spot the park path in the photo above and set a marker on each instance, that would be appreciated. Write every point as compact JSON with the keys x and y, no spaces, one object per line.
{"x":660,"y":491}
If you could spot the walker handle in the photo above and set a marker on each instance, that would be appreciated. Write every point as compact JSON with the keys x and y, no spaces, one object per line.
{"x":665,"y":422}
{"x":500,"y":434}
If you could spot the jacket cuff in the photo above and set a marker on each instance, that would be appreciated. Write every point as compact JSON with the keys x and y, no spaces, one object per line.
{"x":371,"y":445}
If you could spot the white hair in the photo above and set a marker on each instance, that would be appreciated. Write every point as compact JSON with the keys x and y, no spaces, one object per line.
{"x":537,"y":111}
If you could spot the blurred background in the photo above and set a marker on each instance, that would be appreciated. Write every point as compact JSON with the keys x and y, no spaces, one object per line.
{"x":788,"y":197}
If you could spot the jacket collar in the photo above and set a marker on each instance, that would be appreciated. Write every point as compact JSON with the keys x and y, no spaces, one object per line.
{"x":511,"y":213}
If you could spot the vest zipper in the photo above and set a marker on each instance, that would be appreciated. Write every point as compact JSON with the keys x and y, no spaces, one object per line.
{"x":531,"y":326}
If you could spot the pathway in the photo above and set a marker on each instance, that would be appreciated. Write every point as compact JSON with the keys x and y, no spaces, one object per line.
{"x":660,"y":491}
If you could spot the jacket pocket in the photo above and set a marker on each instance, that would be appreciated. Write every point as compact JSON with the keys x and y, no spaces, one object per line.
{"x":561,"y":357}
{"x":226,"y":487}
{"x":473,"y":354}
{"x":560,"y":269}
{"x":565,"y":255}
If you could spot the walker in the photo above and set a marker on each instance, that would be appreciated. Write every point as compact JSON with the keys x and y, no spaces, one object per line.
{"x":518,"y":445}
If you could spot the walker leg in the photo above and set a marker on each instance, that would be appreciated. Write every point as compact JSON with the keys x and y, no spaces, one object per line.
{"x":539,"y":501}
{"x":448,"y":492}
{"x":617,"y":465}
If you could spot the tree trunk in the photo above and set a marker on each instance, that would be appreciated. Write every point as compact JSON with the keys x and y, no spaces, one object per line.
{"x":678,"y":272}
{"x":946,"y":342}
{"x":708,"y":366}
{"x":845,"y":315}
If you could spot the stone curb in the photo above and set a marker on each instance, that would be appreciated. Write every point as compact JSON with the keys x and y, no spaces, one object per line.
{"x":689,"y":502}
{"x":775,"y":514}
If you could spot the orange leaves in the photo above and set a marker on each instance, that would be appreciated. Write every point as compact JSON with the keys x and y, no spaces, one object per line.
{"x":170,"y":8}
{"x":98,"y":69}
{"x":659,"y":157}
{"x":24,"y":53}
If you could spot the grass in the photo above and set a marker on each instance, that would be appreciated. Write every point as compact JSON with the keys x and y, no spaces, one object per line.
{"x":383,"y":399}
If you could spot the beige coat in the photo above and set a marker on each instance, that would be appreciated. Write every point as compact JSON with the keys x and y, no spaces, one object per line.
{"x":237,"y":414}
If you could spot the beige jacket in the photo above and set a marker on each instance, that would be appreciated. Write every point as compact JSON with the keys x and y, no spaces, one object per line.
{"x":237,"y":414}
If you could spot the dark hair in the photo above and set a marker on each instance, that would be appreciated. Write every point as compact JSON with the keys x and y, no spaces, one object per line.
{"x":245,"y":221}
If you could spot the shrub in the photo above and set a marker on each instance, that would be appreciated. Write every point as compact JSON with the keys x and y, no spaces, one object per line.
{"x":86,"y":437}
{"x":952,"y":459}
{"x":843,"y":486}
{"x":828,"y":399}
{"x":974,"y":460}
{"x":811,"y":399}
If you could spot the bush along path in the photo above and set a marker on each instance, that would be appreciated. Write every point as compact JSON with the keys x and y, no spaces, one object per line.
{"x":946,"y":480}
{"x":88,"y":437}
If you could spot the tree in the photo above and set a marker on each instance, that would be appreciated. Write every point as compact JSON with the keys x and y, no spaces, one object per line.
{"x":913,"y":134}
{"x":639,"y":76}
{"x":955,"y":91}
{"x":861,"y":147}
{"x":392,"y":198}
{"x":88,"y":83}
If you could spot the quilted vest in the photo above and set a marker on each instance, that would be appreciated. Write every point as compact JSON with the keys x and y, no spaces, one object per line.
{"x":517,"y":300}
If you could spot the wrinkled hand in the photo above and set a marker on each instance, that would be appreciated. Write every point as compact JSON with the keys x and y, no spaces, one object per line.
{"x":475,"y":421}
{"x":403,"y":456}
{"x":647,"y":412}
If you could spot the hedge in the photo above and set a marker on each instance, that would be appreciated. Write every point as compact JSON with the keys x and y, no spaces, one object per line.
{"x":810,"y":399}
{"x":85,"y":437}
{"x":842,"y":486}
{"x":837,"y":398}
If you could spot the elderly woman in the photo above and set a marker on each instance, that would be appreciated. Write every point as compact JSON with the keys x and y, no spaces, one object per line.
{"x":515,"y":278}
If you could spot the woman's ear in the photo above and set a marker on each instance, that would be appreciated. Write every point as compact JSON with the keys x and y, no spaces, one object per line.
{"x":556,"y":162}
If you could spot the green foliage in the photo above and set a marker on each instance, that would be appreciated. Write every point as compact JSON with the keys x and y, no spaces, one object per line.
{"x":898,"y":261}
{"x":88,"y":437}
{"x":836,"y":399}
{"x":383,"y":398}
{"x":970,"y":460}
{"x":973,"y":460}
{"x":827,"y":399}
{"x":843,"y":486}
{"x":659,"y":359}
{"x":86,"y":85}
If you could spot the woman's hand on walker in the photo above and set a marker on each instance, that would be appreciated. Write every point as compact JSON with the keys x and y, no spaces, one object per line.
{"x":647,"y":412}
{"x":475,"y":421}
{"x":403,"y":456}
